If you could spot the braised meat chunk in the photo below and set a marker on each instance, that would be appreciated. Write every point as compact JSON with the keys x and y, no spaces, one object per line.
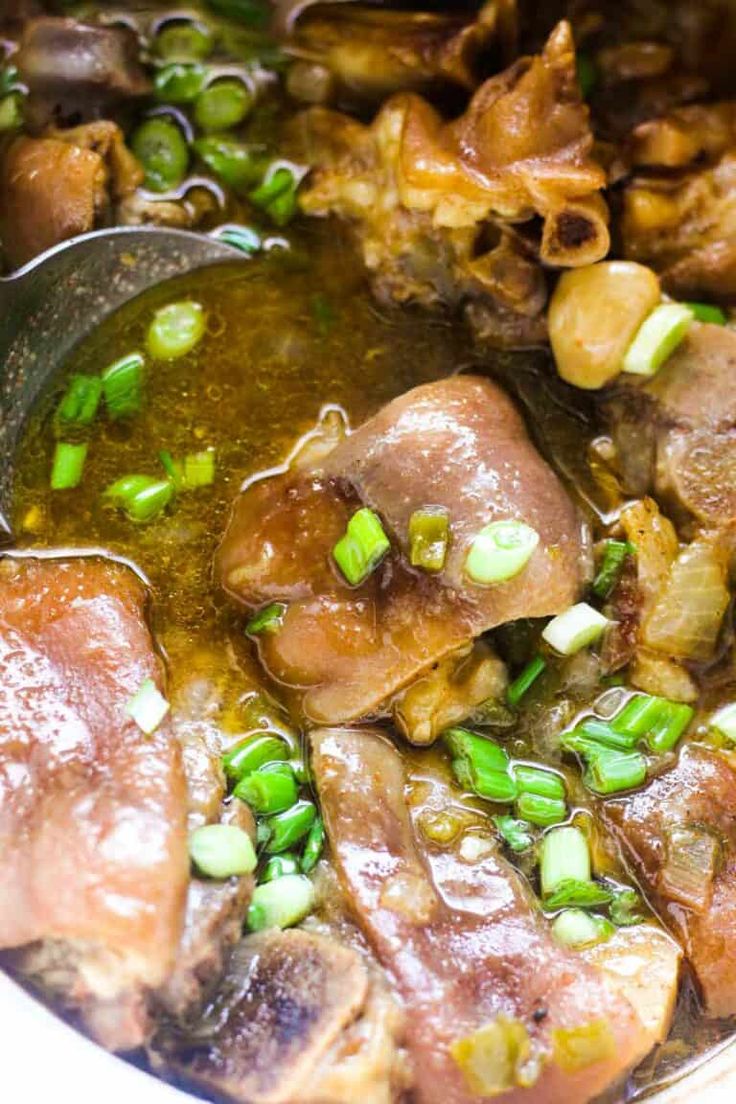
{"x":94,"y":867}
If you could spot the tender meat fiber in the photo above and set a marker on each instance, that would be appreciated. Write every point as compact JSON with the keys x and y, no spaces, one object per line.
{"x":75,"y":72}
{"x":94,"y":868}
{"x":463,"y":942}
{"x":459,"y":444}
{"x":676,"y":432}
{"x":693,"y":802}
{"x":293,"y":1023}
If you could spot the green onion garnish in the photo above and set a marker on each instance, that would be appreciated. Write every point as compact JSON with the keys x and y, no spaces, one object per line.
{"x":222,"y":851}
{"x":565,"y":856}
{"x":277,"y":195}
{"x":577,"y":929}
{"x":253,"y":752}
{"x":613,"y":772}
{"x":724,"y":721}
{"x":625,"y":908}
{"x":500,"y":551}
{"x":280,"y":903}
{"x":574,"y":629}
{"x":80,"y":402}
{"x":237,"y":164}
{"x":270,"y":789}
{"x":239,"y":237}
{"x":268,"y":620}
{"x":429,"y":538}
{"x":289,"y":827}
{"x":602,"y":733}
{"x":183,"y":40}
{"x":11,"y":111}
{"x":279,"y":865}
{"x":222,"y":104}
{"x":313,"y":846}
{"x":516,"y":834}
{"x":660,"y":721}
{"x":198,"y":470}
{"x":68,"y":465}
{"x":176,"y":329}
{"x":523,"y":682}
{"x":141,"y":496}
{"x":543,"y":811}
{"x":148,"y":707}
{"x":362,"y":548}
{"x":539,"y":780}
{"x":614,"y":556}
{"x":162,"y":150}
{"x":575,"y":893}
{"x":707,"y":312}
{"x":657,"y":338}
{"x":122,"y":386}
{"x":480,"y":765}
{"x":179,"y":83}
{"x":172,"y":467}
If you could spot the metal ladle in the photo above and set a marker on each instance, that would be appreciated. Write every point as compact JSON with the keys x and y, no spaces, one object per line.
{"x":60,"y":296}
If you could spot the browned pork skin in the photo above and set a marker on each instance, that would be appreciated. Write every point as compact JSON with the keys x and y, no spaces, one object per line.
{"x":93,"y":852}
{"x":459,"y":444}
{"x":464,"y":945}
{"x":680,"y":836}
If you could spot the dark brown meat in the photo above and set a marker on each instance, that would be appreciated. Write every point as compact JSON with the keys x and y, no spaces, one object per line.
{"x":94,"y":867}
{"x":75,"y":72}
{"x":280,"y":1030}
{"x":459,"y":443}
{"x":699,"y":794}
{"x":676,"y":433}
{"x":463,"y":943}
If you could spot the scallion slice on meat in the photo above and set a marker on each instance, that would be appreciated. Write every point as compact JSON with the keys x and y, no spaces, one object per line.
{"x":611,"y":772}
{"x":429,"y":538}
{"x":68,"y":465}
{"x":707,"y":312}
{"x":268,"y":620}
{"x":288,"y":828}
{"x":543,"y":811}
{"x":270,"y":789}
{"x":362,"y":547}
{"x":80,"y":402}
{"x":516,"y":834}
{"x":148,"y":707}
{"x":523,"y":682}
{"x":222,"y":851}
{"x":724,"y":721}
{"x":538,"y":780}
{"x":253,"y":752}
{"x":565,"y":856}
{"x":657,"y":338}
{"x":500,"y":551}
{"x":576,"y":628}
{"x":142,"y":497}
{"x":280,"y":865}
{"x":281,"y":903}
{"x":313,"y":846}
{"x":614,"y":557}
{"x":576,"y":929}
{"x":122,"y":386}
{"x":176,"y":329}
{"x":575,"y":893}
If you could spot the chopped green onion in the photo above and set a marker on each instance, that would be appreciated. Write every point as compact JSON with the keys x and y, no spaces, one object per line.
{"x":625,"y":908}
{"x":141,"y":496}
{"x":301,"y":770}
{"x":122,"y":386}
{"x":222,"y":851}
{"x":252,"y":13}
{"x":500,"y":551}
{"x":574,"y":629}
{"x":612,"y":772}
{"x":80,"y":402}
{"x":525,"y":680}
{"x":574,"y":893}
{"x":198,"y":470}
{"x":587,"y":74}
{"x":270,"y":789}
{"x":660,"y":721}
{"x":183,"y":41}
{"x":707,"y":312}
{"x":362,"y":548}
{"x":493,"y":785}
{"x":222,"y":104}
{"x":281,"y":903}
{"x":543,"y":811}
{"x":237,"y":164}
{"x":287,"y":828}
{"x":253,"y":752}
{"x":657,"y":338}
{"x":724,"y":721}
{"x":268,"y":620}
{"x":577,"y":929}
{"x":162,"y":150}
{"x":239,"y":237}
{"x":277,"y":195}
{"x":565,"y":856}
{"x":516,"y":834}
{"x":429,"y":538}
{"x":606,"y":733}
{"x":179,"y":83}
{"x":176,"y":329}
{"x":480,"y":765}
{"x":172,"y":467}
{"x":313,"y":847}
{"x":614,"y":557}
{"x":9,"y":79}
{"x":11,"y":111}
{"x":279,"y":865}
{"x":539,"y":780}
{"x":148,"y":707}
{"x":68,"y":465}
{"x":323,"y":313}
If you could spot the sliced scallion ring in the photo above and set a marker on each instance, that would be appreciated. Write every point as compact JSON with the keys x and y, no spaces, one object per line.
{"x":222,"y":851}
{"x":724,"y":721}
{"x":148,"y":707}
{"x":176,"y":329}
{"x":565,"y":857}
{"x":574,"y":629}
{"x":657,"y":338}
{"x":281,"y":903}
{"x":500,"y":551}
